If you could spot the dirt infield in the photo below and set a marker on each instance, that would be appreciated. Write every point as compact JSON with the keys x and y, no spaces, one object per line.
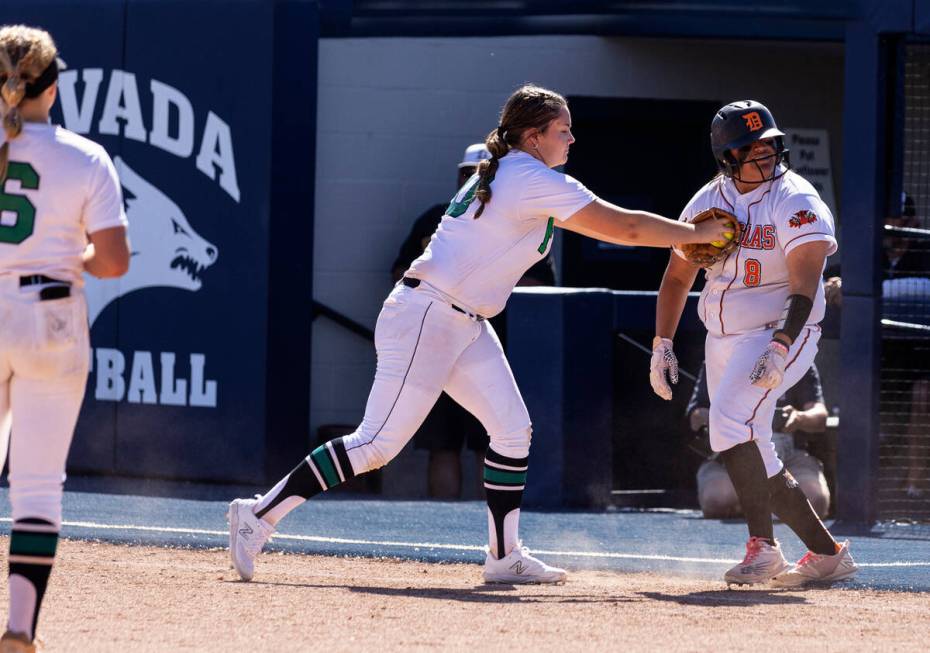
{"x":104,"y":597}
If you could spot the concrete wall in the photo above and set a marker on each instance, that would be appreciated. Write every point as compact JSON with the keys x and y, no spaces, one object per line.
{"x":395,"y":115}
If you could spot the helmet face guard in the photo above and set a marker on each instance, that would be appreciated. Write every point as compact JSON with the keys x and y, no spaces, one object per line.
{"x":742,"y":123}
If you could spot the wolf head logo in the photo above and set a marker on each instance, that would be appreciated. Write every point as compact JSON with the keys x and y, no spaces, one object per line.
{"x":166,"y":251}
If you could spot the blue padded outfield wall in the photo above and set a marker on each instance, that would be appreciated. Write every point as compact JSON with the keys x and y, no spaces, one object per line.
{"x":199,"y":371}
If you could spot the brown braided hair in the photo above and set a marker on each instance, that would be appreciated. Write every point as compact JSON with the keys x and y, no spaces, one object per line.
{"x":529,"y":107}
{"x":24,"y":53}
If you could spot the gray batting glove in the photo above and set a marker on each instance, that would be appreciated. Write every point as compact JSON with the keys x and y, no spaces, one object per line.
{"x":663,"y":367}
{"x":769,"y":370}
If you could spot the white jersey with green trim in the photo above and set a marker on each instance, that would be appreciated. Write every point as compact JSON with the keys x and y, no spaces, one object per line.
{"x":747,"y":290}
{"x":477,"y":263}
{"x":59,"y":188}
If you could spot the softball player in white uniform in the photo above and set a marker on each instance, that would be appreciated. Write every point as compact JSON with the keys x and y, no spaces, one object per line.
{"x":55,"y":188}
{"x":432,"y":334}
{"x":761,"y":306}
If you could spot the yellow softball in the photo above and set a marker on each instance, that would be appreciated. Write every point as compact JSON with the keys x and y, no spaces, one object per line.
{"x":719,"y":244}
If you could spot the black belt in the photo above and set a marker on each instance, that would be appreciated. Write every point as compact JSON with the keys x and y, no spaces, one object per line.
{"x":57,"y":289}
{"x":33,"y":279}
{"x":413,"y":283}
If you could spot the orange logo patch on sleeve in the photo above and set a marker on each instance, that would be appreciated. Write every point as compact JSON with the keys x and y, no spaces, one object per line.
{"x":753,"y":121}
{"x":802,"y":218}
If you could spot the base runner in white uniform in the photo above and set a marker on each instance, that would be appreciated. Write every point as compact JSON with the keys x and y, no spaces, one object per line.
{"x":761,"y":306}
{"x":55,"y":188}
{"x":433,"y":335}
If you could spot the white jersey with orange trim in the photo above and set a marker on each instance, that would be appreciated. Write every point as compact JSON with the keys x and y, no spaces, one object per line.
{"x":59,"y":188}
{"x":476,"y":263}
{"x":747,"y":290}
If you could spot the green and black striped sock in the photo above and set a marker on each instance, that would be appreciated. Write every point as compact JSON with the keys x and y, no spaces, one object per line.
{"x":33,"y":543}
{"x":504,"y":480}
{"x":326,"y":467}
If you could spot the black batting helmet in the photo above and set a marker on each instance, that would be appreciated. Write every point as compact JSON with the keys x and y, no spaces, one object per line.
{"x":741,"y":123}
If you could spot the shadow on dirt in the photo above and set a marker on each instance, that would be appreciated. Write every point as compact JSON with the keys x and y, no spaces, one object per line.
{"x":729,"y":598}
{"x":478,"y":594}
{"x":495,"y":594}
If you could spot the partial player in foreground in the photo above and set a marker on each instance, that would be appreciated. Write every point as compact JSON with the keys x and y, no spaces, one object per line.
{"x":761,"y":305}
{"x":432,"y":334}
{"x":57,"y":190}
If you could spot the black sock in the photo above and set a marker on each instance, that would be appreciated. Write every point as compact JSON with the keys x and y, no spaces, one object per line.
{"x":33,"y":543}
{"x":792,"y":507}
{"x":504,"y":480}
{"x":326,"y":467}
{"x":747,"y":472}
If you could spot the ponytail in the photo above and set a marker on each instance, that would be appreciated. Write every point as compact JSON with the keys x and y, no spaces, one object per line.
{"x":12,"y":91}
{"x":496,"y":142}
{"x":34,"y":51}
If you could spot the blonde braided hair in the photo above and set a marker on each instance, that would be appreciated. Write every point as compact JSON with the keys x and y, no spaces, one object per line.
{"x":24,"y":53}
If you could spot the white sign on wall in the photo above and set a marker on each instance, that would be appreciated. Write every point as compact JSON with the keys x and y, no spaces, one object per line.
{"x":810,"y":158}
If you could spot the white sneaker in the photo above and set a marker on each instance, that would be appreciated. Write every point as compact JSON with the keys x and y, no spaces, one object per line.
{"x":519,"y":566}
{"x":762,"y":563}
{"x":815,"y":568}
{"x":247,"y":536}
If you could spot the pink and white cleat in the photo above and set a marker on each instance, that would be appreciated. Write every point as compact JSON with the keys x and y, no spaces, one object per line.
{"x":763,"y":562}
{"x":816,"y":568}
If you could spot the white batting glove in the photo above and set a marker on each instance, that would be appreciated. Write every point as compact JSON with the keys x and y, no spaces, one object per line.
{"x":663,"y":367}
{"x":769,"y":369}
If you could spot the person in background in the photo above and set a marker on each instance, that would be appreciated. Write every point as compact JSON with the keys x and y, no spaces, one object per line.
{"x":905,"y":266}
{"x":900,"y":258}
{"x":449,"y":426}
{"x":801,"y":410}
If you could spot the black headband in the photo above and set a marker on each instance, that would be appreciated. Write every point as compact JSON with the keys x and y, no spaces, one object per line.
{"x":48,"y":77}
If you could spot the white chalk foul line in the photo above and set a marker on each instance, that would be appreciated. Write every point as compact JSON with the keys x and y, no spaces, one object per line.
{"x":277,"y":536}
{"x":435,"y":545}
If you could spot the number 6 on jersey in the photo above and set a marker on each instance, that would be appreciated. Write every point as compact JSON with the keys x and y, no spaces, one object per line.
{"x":17,"y":213}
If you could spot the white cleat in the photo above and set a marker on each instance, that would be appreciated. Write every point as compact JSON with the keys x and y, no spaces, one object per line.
{"x":247,"y":536}
{"x":816,"y":568}
{"x":762,"y":563}
{"x":519,"y":566}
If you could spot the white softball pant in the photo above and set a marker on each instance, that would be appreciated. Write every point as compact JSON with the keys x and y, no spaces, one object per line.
{"x":742,"y":412}
{"x":425,"y":346}
{"x":44,"y":357}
